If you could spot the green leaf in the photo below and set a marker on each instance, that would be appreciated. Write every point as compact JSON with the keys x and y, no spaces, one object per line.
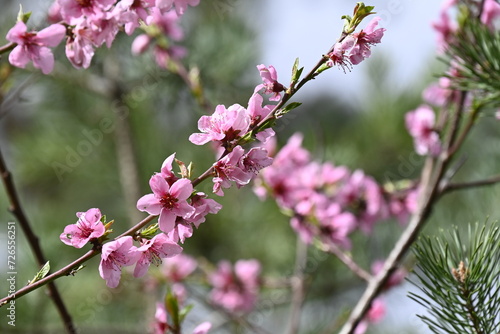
{"x":21,"y":16}
{"x":289,"y":107}
{"x":149,"y":232}
{"x":172,"y":306}
{"x":296,"y":72}
{"x":184,"y":312}
{"x":42,"y":273}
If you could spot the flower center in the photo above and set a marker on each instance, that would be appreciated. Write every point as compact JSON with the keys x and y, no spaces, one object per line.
{"x":168,"y":201}
{"x":84,"y":3}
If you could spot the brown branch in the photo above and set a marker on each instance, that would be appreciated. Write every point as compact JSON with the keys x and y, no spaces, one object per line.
{"x":7,"y":47}
{"x":70,"y":268}
{"x":473,"y":184}
{"x":431,"y":176}
{"x":17,"y":210}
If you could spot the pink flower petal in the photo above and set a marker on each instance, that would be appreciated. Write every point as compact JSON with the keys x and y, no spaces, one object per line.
{"x":150,"y":204}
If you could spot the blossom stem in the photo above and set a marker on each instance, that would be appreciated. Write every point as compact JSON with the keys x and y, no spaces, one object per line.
{"x":18,"y":212}
{"x":7,"y":47}
{"x":70,"y":268}
{"x":473,"y":184}
{"x":348,"y":261}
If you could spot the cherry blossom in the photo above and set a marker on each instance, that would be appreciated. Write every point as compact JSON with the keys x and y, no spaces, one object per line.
{"x":203,"y":328}
{"x":270,"y":82}
{"x":230,"y":169}
{"x":180,"y":5}
{"x":153,"y":250}
{"x":236,"y":290}
{"x":490,"y":13}
{"x":167,"y":201}
{"x":224,"y":126}
{"x":80,"y":45}
{"x":177,"y":268}
{"x":74,"y":9}
{"x":364,"y":40}
{"x":33,"y":46}
{"x":115,"y":255}
{"x":420,"y":125}
{"x":88,"y":227}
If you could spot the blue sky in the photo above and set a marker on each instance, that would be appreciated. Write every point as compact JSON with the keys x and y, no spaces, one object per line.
{"x":307,"y":28}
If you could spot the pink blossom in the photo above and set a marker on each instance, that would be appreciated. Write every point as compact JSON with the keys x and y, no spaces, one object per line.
{"x":203,"y":328}
{"x":255,"y":160}
{"x":364,"y":40}
{"x":131,"y":12}
{"x":80,"y":45}
{"x":180,"y":5}
{"x":153,"y":250}
{"x":160,"y":324}
{"x":237,"y":290}
{"x":375,"y":313}
{"x":363,"y":197}
{"x":230,"y":169}
{"x":166,"y":170}
{"x":270,"y":82}
{"x":257,"y":113}
{"x":73,"y":9}
{"x":33,"y":46}
{"x":163,"y":56}
{"x":420,"y":125}
{"x":115,"y":255}
{"x":340,"y":53}
{"x":203,"y":206}
{"x":88,"y":227}
{"x":335,"y":225}
{"x":167,"y":201}
{"x":182,"y":230}
{"x":491,"y":12}
{"x":224,"y":126}
{"x":177,"y":268}
{"x":54,"y":13}
{"x":445,"y":29}
{"x":402,"y":204}
{"x":140,"y":44}
{"x":438,"y":94}
{"x":303,"y":228}
{"x":168,"y":22}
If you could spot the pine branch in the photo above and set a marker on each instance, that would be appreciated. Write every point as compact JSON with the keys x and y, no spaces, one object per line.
{"x":460,"y":281}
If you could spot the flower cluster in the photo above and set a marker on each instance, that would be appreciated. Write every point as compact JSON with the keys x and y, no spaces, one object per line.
{"x":90,"y":24}
{"x":420,"y":124}
{"x":173,"y":200}
{"x":227,"y":128}
{"x":356,"y":47}
{"x":325,"y":201}
{"x":236,"y":290}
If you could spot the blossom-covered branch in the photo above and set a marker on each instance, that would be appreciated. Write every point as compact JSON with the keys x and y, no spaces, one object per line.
{"x":18,"y":212}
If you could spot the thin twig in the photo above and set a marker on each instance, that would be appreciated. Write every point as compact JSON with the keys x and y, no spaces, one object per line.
{"x":473,"y":184}
{"x":347,"y":260}
{"x":432,"y":174}
{"x":18,"y":212}
{"x":298,"y":286}
{"x":69,"y":269}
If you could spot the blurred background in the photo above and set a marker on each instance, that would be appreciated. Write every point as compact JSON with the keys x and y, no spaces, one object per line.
{"x":354,"y":119}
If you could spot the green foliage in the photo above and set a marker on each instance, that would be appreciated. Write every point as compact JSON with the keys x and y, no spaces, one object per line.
{"x":460,"y":280}
{"x":475,"y":53}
